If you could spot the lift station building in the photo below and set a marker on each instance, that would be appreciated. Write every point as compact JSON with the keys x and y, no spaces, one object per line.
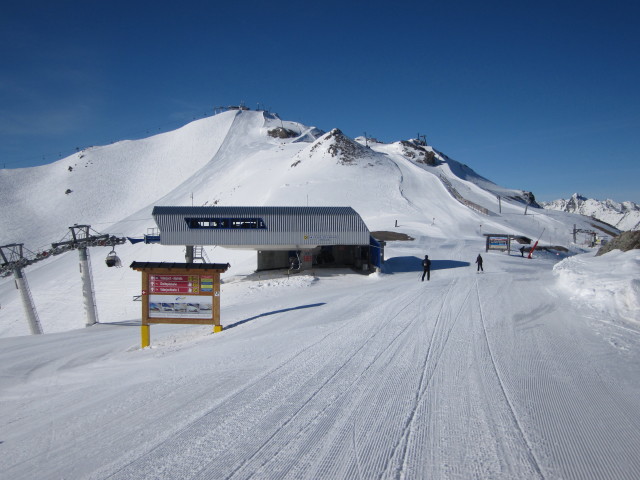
{"x":284,"y":237}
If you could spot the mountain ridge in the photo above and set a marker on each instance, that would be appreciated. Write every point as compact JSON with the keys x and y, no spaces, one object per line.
{"x":625,"y":216}
{"x":232,"y":160}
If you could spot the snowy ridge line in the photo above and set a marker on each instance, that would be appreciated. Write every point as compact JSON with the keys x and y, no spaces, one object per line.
{"x":422,"y":386}
{"x":531,"y":454}
{"x":346,"y":389}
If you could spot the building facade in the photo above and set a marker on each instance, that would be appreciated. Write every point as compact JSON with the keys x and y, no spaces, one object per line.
{"x":284,"y":237}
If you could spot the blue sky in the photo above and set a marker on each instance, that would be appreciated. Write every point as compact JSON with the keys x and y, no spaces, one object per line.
{"x":540,"y":96}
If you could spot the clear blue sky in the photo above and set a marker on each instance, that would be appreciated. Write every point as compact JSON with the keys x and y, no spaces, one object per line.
{"x":541,"y":96}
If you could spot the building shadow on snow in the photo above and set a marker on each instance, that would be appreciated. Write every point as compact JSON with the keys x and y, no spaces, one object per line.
{"x":414,"y":264}
{"x":240,"y":322}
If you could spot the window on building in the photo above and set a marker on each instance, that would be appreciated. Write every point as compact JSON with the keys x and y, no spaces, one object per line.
{"x":236,"y":223}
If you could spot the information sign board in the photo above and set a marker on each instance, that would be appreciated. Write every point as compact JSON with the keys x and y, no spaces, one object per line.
{"x":179,"y":293}
{"x":498,"y":243}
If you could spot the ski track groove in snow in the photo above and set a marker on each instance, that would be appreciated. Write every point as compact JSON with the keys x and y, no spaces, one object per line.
{"x":531,"y":453}
{"x":404,"y":439}
{"x":572,"y":402}
{"x":357,"y":379}
{"x":238,"y":394}
{"x":346,"y":390}
{"x":374,"y":453}
{"x":125,"y":470}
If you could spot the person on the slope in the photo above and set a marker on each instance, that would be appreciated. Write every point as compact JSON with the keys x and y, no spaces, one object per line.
{"x":479,"y":262}
{"x":426,"y":268}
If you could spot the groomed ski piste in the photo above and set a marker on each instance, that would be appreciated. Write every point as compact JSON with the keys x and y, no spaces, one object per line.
{"x":526,"y":370}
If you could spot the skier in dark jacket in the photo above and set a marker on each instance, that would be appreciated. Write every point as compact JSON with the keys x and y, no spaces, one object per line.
{"x":426,"y":268}
{"x":479,"y":262}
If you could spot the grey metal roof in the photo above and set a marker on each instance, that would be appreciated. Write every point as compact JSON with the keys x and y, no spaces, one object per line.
{"x":284,"y":227}
{"x":183,"y":266}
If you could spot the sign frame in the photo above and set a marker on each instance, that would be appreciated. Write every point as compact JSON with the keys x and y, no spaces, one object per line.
{"x":179,"y":293}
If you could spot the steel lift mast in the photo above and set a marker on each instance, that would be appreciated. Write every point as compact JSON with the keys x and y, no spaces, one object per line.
{"x":14,"y":260}
{"x":82,"y":237}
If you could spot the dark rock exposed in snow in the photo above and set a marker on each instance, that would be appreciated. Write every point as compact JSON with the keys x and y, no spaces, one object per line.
{"x":625,"y":241}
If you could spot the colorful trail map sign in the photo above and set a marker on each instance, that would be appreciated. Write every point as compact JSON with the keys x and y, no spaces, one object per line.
{"x":181,"y":293}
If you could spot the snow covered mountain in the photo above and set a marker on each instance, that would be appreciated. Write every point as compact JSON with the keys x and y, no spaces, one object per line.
{"x":244,"y":158}
{"x":526,"y":370}
{"x":624,"y":216}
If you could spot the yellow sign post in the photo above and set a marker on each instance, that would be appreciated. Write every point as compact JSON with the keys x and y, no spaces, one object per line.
{"x":179,"y":293}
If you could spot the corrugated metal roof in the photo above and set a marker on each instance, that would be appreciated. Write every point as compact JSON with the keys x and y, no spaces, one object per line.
{"x":179,"y":266}
{"x":284,"y":227}
{"x":252,"y":211}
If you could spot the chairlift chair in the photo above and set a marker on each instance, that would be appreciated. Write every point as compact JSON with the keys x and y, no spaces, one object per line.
{"x":112,"y":259}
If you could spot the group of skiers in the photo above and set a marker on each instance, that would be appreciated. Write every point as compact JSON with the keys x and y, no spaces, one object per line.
{"x":426,"y":266}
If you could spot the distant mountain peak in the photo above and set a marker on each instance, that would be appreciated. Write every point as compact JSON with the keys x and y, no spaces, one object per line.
{"x":624,"y":216}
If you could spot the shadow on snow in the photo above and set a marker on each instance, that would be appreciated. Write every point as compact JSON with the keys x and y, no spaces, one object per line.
{"x":226,"y":327}
{"x":414,"y":264}
{"x":137,"y":323}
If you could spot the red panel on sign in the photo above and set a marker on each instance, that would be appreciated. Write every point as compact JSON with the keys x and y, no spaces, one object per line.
{"x":170,"y":278}
{"x":171,"y":284}
{"x":174,"y":290}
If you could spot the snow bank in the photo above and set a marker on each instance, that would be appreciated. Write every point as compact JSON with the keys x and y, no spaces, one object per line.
{"x":610,"y":283}
{"x":284,"y":282}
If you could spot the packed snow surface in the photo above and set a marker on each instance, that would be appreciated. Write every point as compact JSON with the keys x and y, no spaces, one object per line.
{"x":526,"y":370}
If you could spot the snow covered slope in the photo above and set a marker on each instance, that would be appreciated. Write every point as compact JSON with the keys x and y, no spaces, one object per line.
{"x":624,"y":216}
{"x":232,"y":159}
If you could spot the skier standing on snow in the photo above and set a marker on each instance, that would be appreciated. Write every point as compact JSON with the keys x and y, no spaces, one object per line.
{"x":426,"y":268}
{"x":479,"y":262}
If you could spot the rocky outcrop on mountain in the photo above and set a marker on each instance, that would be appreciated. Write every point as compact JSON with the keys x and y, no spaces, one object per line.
{"x":337,"y":144}
{"x":418,"y":153}
{"x":625,"y":241}
{"x":624,"y":216}
{"x":281,"y":132}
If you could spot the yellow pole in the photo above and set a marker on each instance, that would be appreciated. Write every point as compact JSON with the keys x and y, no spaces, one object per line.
{"x":145,"y":335}
{"x":217,"y":328}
